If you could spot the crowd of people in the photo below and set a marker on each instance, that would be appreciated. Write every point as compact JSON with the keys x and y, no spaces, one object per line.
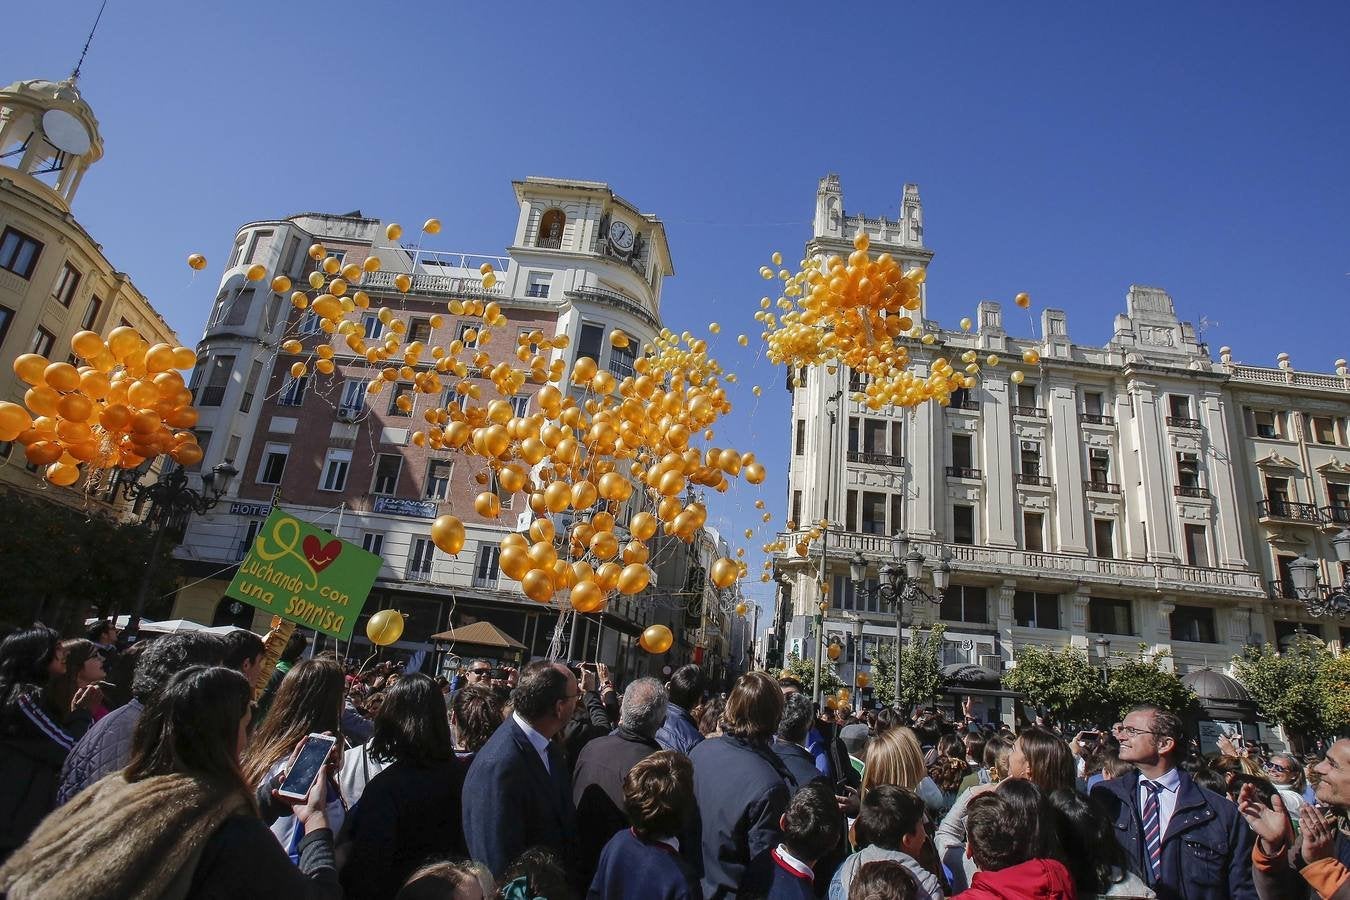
{"x":150,"y":771}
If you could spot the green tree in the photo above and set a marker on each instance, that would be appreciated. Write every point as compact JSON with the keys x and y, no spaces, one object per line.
{"x":1062,"y":682}
{"x":804,"y":670}
{"x":1290,"y":687}
{"x":1142,"y":681}
{"x":920,"y":669}
{"x":1334,"y":683}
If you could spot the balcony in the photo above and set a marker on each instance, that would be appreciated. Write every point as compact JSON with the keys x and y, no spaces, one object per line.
{"x":437,"y":285}
{"x":1191,"y":490}
{"x":1182,"y":422}
{"x":875,"y":459}
{"x":1035,"y":480}
{"x":1336,"y":515}
{"x":967,"y":405}
{"x":1096,"y":419}
{"x":537,"y":290}
{"x":615,"y":299}
{"x":997,"y":562}
{"x":1281,"y":590}
{"x":1101,"y":487}
{"x":1290,"y":512}
{"x":488,"y":582}
{"x":419,"y":573}
{"x":962,"y":472}
{"x":549,"y":243}
{"x":1034,"y":412}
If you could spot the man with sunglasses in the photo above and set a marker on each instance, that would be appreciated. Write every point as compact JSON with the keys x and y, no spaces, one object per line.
{"x":1185,"y":841}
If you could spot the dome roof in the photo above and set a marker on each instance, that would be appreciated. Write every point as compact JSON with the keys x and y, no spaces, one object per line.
{"x":44,"y":92}
{"x":1210,"y":685}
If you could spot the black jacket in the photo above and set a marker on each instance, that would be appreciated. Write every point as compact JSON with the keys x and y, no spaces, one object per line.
{"x":243,"y":859}
{"x":590,"y":721}
{"x":597,"y":791}
{"x":741,"y":790}
{"x":32,"y":750}
{"x":800,"y":763}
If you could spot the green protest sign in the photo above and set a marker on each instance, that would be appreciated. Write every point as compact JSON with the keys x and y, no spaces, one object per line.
{"x":306,"y":575}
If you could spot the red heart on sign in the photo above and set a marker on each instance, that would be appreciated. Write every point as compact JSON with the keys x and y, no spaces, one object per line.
{"x":319,"y":556}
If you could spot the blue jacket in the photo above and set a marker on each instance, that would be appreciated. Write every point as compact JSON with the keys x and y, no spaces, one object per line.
{"x":679,"y":732}
{"x":741,"y":792}
{"x":1206,"y":852}
{"x":634,"y":869}
{"x":511,"y":802}
{"x":799,"y":762}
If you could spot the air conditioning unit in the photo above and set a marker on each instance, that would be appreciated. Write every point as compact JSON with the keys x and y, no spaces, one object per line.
{"x":991,"y":661}
{"x":347,"y":414}
{"x":1030,"y":445}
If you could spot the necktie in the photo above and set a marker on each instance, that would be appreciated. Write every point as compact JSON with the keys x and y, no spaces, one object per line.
{"x":1152,"y":827}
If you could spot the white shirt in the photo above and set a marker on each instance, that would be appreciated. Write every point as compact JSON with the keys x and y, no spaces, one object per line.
{"x":1167,"y":797}
{"x":539,"y":742}
{"x":793,"y":863}
{"x":671,"y":842}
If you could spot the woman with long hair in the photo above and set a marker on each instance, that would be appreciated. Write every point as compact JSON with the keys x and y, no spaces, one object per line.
{"x":896,"y":757}
{"x":475,"y":714}
{"x":411,"y":811}
{"x":1093,"y":856}
{"x":75,"y":694}
{"x":309,"y":701}
{"x":33,"y":743}
{"x":1043,"y":758}
{"x":179,"y":821}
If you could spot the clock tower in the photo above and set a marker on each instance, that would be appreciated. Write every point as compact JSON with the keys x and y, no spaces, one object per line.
{"x":48,"y":137}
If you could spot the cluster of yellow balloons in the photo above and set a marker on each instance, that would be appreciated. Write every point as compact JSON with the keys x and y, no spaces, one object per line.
{"x":841,"y":699}
{"x":127,"y":403}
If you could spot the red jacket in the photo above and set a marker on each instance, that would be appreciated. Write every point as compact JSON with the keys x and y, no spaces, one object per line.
{"x":1036,"y":879}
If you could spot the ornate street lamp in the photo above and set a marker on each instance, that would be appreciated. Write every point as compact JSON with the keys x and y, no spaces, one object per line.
{"x":900,"y":585}
{"x":171,"y":504}
{"x":1102,"y":648}
{"x":1319,"y":599}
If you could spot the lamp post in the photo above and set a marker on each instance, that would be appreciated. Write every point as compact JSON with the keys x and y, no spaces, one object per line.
{"x":857,"y":659}
{"x":1102,"y":648}
{"x":899,"y":585}
{"x":171,"y":503}
{"x":1319,"y":599}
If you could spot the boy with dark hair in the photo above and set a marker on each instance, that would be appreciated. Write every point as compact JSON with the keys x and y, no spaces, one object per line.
{"x":890,"y":826}
{"x":644,"y":860}
{"x":1003,"y":854}
{"x":811,"y":828}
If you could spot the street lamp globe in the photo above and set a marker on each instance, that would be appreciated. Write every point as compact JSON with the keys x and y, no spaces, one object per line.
{"x":899,"y":545}
{"x":1102,"y":647}
{"x":857,"y":567}
{"x":1303,"y":573}
{"x":942,"y":576}
{"x":1341,"y":544}
{"x":914,"y":565}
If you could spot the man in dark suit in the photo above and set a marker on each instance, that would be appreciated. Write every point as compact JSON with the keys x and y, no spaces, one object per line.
{"x":798,"y":715}
{"x":1183,"y":840}
{"x":517,"y":793}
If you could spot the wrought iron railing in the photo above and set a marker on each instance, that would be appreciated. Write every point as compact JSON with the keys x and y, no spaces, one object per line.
{"x":875,"y":459}
{"x":1191,"y":490}
{"x":1096,"y":419}
{"x":1101,"y":487}
{"x":1182,"y":422}
{"x":1038,"y":480}
{"x":1033,"y":411}
{"x":1286,"y":509}
{"x":962,"y":472}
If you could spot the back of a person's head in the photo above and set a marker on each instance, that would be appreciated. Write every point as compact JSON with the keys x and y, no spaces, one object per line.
{"x":894,"y":758}
{"x":160,"y":658}
{"x":754,"y":707}
{"x":448,"y":880}
{"x":98,"y":630}
{"x":658,"y":794}
{"x":791,"y":683}
{"x":947,"y":773}
{"x":295,"y":647}
{"x":412,"y":726}
{"x":996,"y":752}
{"x":1092,"y":854}
{"x":536,"y":873}
{"x":1210,"y":779}
{"x":1265,"y":791}
{"x":1030,"y":815}
{"x":477,"y":713}
{"x":643,"y":710}
{"x":888,"y":812}
{"x":240,"y":647}
{"x":1049,"y":758}
{"x":993,"y":840}
{"x":686,"y":686}
{"x":798,"y":714}
{"x":308,"y":701}
{"x":192,"y":728}
{"x":25,"y":656}
{"x":887,"y":718}
{"x":812,"y":822}
{"x":884,"y":879}
{"x":710,"y":716}
{"x":540,"y":686}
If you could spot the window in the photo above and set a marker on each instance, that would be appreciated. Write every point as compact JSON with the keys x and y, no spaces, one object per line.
{"x":961,"y":399}
{"x":67,"y":283}
{"x":1033,"y":532}
{"x":1026,"y":396}
{"x":6,"y":317}
{"x":353,"y":397}
{"x":250,"y":386}
{"x":897,"y":511}
{"x":1188,"y":470}
{"x":387,"y":469}
{"x":373,"y":327}
{"x":273,"y":463}
{"x":539,"y":284}
{"x":799,"y":446}
{"x":520,"y":404}
{"x":293,"y":394}
{"x":402,"y":389}
{"x":873,"y":513}
{"x":258,"y":244}
{"x":250,"y":535}
{"x":1264,"y":423}
{"x":19,"y":252}
{"x":797,"y":508}
{"x":1031,"y":458}
{"x":622,"y":359}
{"x":845,"y":595}
{"x":1092,"y":403}
{"x":1110,"y":615}
{"x":1338,"y":493}
{"x":91,"y":314}
{"x":1323,"y":429}
{"x":1180,"y":406}
{"x":801,"y":377}
{"x":454,"y":398}
{"x":551,"y":225}
{"x":237,"y":254}
{"x":1104,"y":538}
{"x":419,"y":330}
{"x":1036,"y":610}
{"x":1099,"y":466}
{"x":1277,"y":493}
{"x":485,"y":569}
{"x":851,"y":511}
{"x":965,"y":603}
{"x":220,"y":368}
{"x":203,"y":441}
{"x":372,"y":542}
{"x":239,"y":307}
{"x":308,"y":324}
{"x":962,"y":457}
{"x":420,"y":552}
{"x":1282,"y":566}
{"x":1197,"y":545}
{"x":335,"y":467}
{"x":874,"y":436}
{"x":292,"y":248}
{"x":590,"y":342}
{"x":462,"y":332}
{"x":1193,"y":623}
{"x":507,"y":498}
{"x":963,"y":524}
{"x":43,"y":341}
{"x":438,"y":479}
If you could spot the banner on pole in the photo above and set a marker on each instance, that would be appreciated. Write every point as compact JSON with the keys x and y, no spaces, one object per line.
{"x":305,"y":575}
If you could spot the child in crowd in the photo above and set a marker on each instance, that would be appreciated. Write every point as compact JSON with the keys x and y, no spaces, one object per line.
{"x":811,"y":827}
{"x":890,"y":826}
{"x":1008,"y":870}
{"x":644,"y":861}
{"x":885,"y":880}
{"x":449,"y":880}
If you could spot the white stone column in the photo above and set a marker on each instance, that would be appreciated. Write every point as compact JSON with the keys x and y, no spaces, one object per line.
{"x":925,"y":436}
{"x":1078,"y":617}
{"x":1155,"y":475}
{"x":1000,"y":489}
{"x":1218,"y":461}
{"x":1069,"y":524}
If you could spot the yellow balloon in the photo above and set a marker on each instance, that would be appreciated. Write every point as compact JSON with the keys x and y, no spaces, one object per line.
{"x":538,"y":585}
{"x":432,"y":226}
{"x":656,"y":639}
{"x":196,"y":262}
{"x":724,"y":573}
{"x":256,"y":272}
{"x":393,"y":231}
{"x":447,"y":533}
{"x":832,"y":651}
{"x":587,"y":597}
{"x":385,"y":627}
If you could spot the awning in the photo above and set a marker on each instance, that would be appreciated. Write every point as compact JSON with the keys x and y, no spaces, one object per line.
{"x":481,"y":634}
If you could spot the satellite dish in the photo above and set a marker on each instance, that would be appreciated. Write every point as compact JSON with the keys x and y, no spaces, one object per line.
{"x":65,"y":132}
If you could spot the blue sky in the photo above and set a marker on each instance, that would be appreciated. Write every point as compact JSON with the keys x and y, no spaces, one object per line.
{"x":1068,"y":150}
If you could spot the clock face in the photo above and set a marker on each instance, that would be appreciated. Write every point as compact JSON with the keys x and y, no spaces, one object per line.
{"x":621,"y":235}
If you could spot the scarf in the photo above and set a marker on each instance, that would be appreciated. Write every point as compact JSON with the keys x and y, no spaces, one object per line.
{"x":118,"y":839}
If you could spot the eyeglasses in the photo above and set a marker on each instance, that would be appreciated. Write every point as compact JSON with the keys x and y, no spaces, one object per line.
{"x":481,"y":673}
{"x":1273,"y":767}
{"x":1121,"y":728}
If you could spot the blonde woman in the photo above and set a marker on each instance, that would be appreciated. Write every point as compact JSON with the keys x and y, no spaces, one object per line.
{"x":896,"y":758}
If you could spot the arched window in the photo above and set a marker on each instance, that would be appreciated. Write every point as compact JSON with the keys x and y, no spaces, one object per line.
{"x":551,"y":229}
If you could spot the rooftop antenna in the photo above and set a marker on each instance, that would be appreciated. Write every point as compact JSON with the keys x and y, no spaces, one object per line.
{"x":83,"y":53}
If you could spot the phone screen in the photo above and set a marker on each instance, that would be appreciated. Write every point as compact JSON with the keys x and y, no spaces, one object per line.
{"x":307,"y":765}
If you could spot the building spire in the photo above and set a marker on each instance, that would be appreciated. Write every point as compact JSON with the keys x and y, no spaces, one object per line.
{"x":83,"y":53}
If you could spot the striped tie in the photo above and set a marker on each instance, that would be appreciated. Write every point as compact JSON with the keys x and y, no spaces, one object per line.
{"x":1152,"y":831}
